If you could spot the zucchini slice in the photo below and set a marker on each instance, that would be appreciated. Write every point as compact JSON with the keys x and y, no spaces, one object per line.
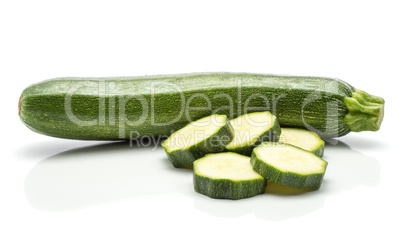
{"x":227,"y":175}
{"x":288,"y":165}
{"x":251,"y":130}
{"x":207,"y":135}
{"x":304,"y":139}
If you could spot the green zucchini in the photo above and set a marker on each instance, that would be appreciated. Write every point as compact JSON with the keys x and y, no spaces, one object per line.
{"x":304,"y":139}
{"x":288,"y":165}
{"x":227,"y":175}
{"x":133,"y":107}
{"x":251,"y":130}
{"x":207,"y":135}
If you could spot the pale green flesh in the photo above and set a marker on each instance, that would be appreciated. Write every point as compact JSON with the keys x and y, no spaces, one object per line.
{"x":194,"y":133}
{"x":226,"y":165}
{"x":248,"y":128}
{"x":301,"y":138}
{"x":287,"y":158}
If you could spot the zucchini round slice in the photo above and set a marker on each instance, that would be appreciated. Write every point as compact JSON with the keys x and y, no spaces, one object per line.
{"x":251,"y":130}
{"x":227,"y":175}
{"x":207,"y":135}
{"x":304,"y":139}
{"x":288,"y":165}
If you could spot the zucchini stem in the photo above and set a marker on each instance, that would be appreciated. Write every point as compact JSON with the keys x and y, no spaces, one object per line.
{"x":365,"y":111}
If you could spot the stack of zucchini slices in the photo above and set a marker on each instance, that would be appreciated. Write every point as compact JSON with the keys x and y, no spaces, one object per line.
{"x":234,"y":159}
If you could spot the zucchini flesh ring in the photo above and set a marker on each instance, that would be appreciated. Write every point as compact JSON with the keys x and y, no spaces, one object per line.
{"x":251,"y":130}
{"x":288,"y":165}
{"x":207,"y":135}
{"x":304,"y":139}
{"x":227,"y":175}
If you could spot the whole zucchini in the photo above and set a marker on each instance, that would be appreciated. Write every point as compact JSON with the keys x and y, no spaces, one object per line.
{"x":135,"y":107}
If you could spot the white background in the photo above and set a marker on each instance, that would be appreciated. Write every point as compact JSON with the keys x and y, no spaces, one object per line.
{"x":47,"y":180}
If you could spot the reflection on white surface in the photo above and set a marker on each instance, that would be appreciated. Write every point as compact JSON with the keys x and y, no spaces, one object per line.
{"x":102,"y":174}
{"x":267,"y":206}
{"x":346,"y":170}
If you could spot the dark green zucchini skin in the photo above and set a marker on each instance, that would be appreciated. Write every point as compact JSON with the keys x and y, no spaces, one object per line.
{"x":134,"y":107}
{"x":228,"y":189}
